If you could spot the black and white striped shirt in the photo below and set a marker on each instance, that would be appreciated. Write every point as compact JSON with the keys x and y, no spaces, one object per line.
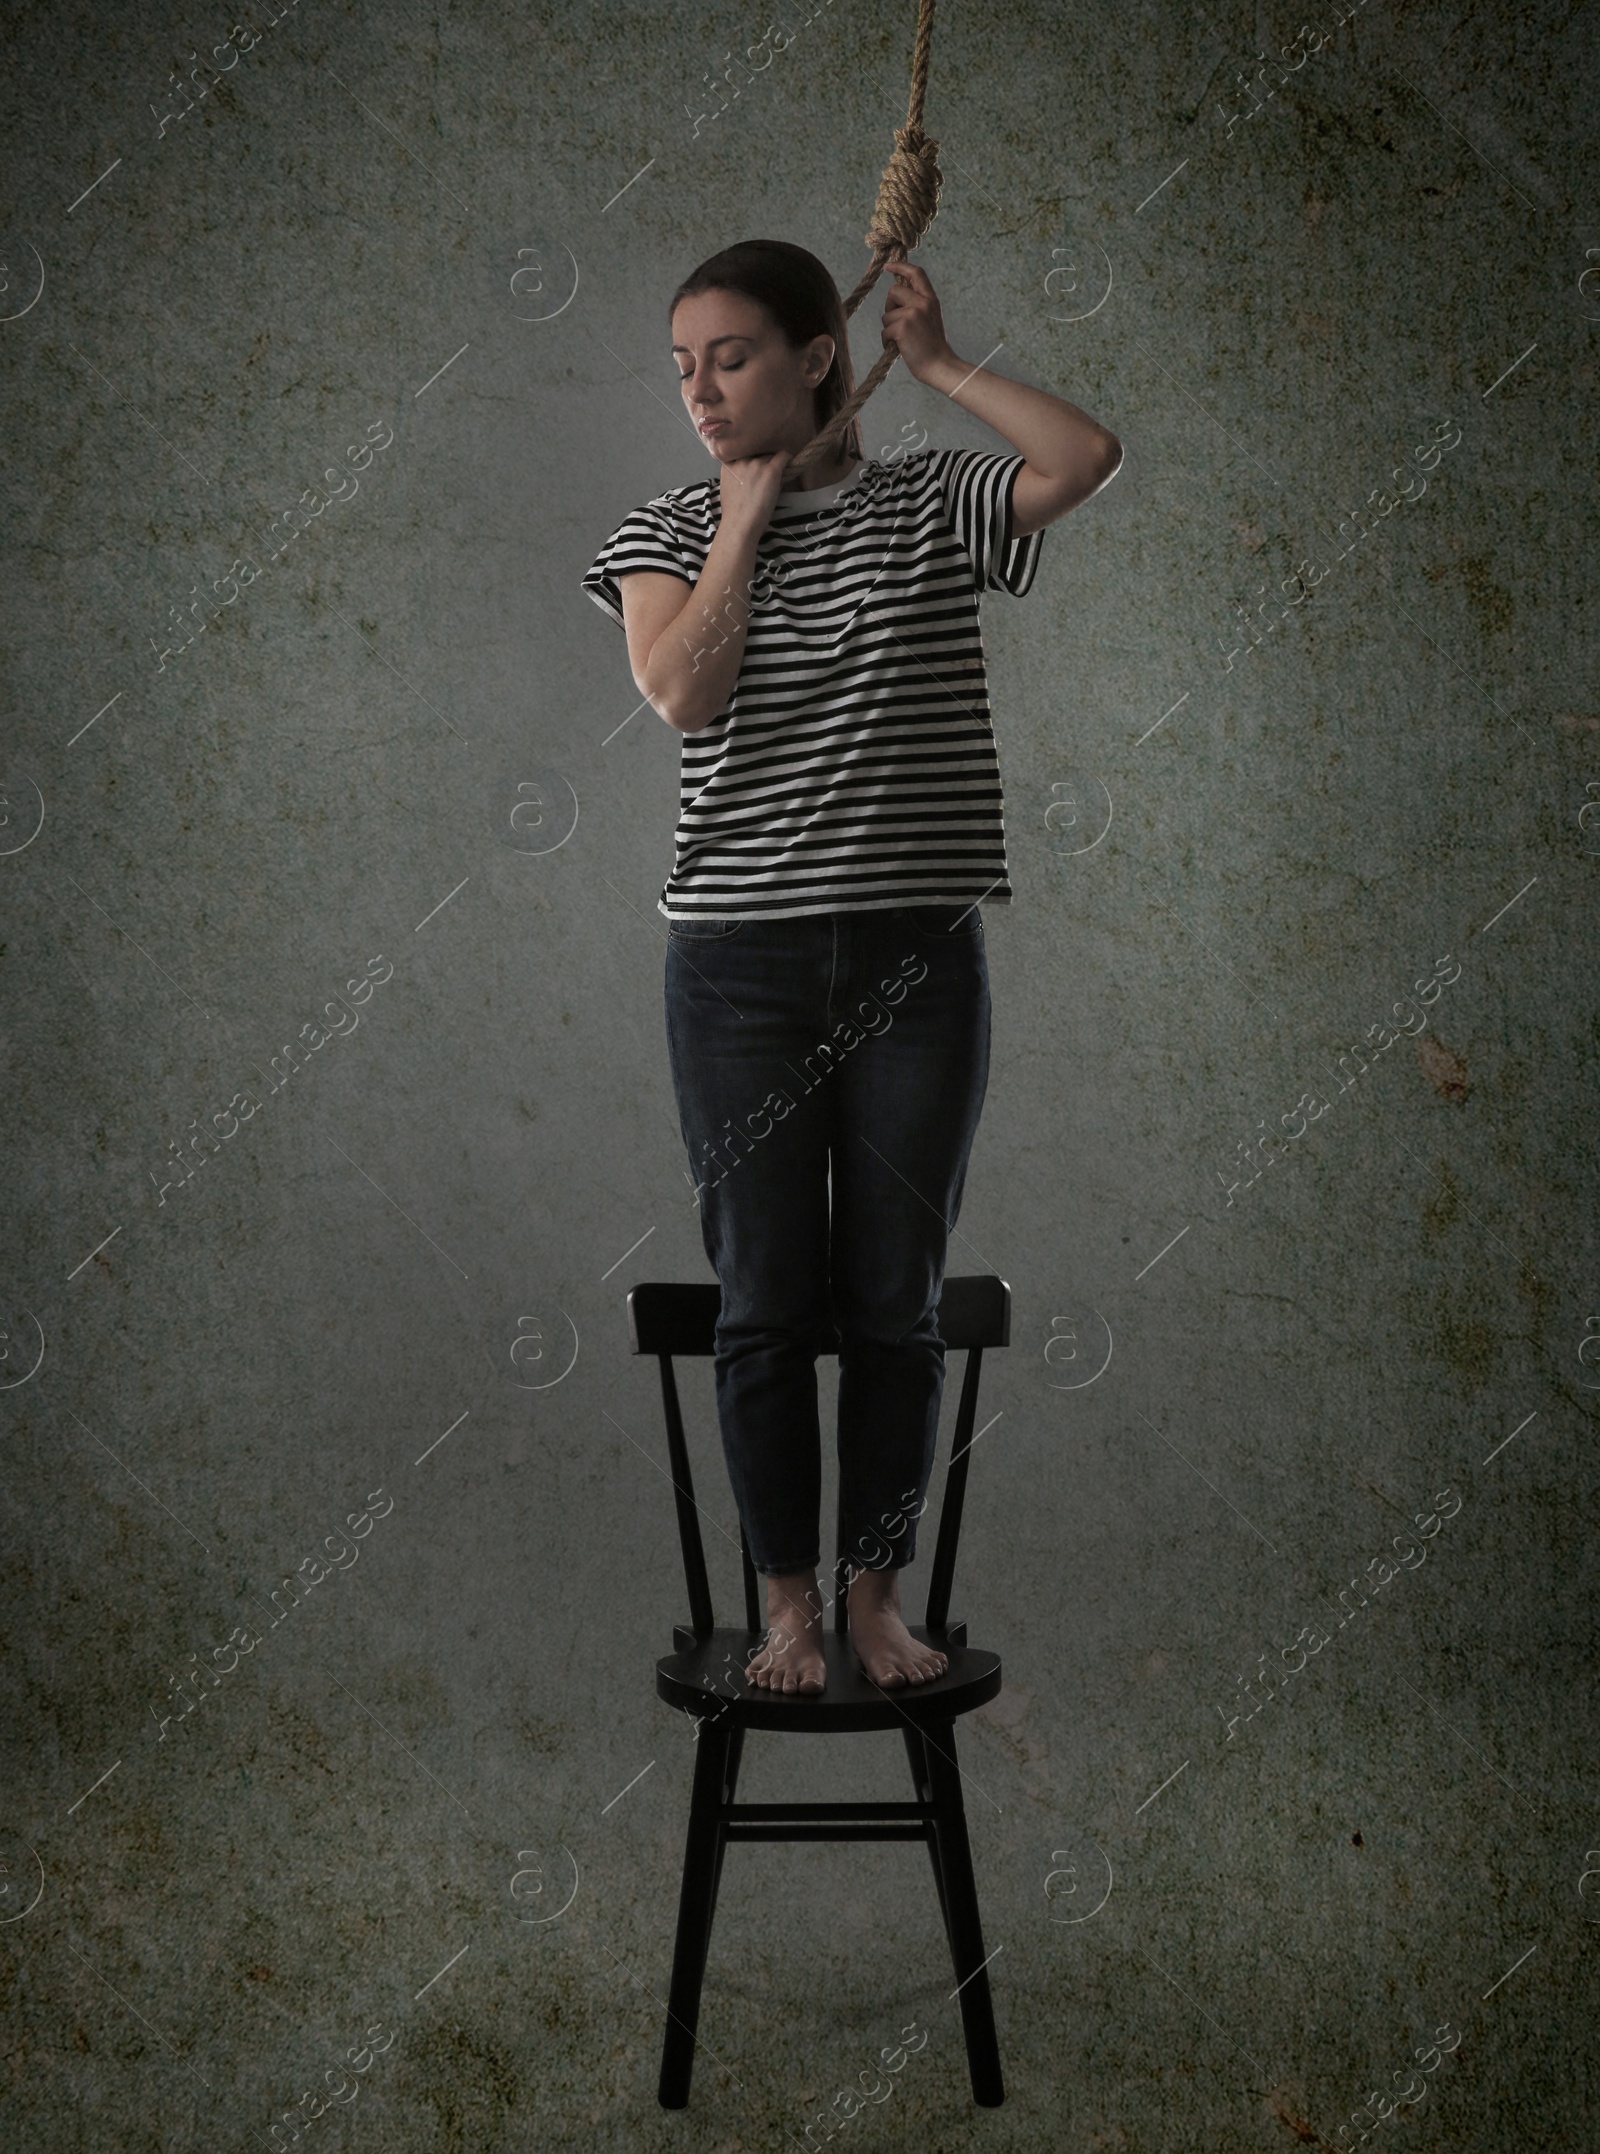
{"x":853,"y":767}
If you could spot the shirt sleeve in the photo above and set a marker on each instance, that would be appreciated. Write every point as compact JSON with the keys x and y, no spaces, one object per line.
{"x":977,"y":492}
{"x":646,"y":538}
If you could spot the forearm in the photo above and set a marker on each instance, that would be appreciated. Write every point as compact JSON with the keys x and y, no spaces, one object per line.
{"x":695,"y":662}
{"x":1058,"y":440}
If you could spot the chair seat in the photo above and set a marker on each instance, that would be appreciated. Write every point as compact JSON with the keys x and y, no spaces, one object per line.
{"x":707,"y":1678}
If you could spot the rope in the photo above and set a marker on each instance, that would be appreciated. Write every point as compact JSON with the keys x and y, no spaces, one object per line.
{"x":908,"y":201}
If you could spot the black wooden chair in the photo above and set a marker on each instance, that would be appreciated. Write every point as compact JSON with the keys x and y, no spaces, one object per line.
{"x":705,"y":1676}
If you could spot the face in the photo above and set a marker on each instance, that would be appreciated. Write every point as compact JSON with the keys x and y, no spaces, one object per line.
{"x":738,"y":371}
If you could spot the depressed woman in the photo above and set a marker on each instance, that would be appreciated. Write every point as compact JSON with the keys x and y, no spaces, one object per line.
{"x":840,"y":823}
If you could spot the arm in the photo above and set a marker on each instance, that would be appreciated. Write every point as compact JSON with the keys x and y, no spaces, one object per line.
{"x":686,"y":655}
{"x":1069,"y":456}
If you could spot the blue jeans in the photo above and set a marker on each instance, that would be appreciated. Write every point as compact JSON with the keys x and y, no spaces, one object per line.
{"x":840,"y":1054}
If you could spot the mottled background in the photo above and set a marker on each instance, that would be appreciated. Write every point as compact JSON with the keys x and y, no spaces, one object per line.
{"x":1228,"y":1902}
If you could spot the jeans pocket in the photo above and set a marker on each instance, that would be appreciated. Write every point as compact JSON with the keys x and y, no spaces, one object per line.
{"x":952,"y":920}
{"x":708,"y":929}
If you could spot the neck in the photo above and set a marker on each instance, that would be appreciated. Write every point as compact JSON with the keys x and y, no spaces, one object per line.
{"x":828,"y":475}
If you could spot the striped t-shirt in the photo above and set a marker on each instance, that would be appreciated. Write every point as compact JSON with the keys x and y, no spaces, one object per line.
{"x":853,"y":766}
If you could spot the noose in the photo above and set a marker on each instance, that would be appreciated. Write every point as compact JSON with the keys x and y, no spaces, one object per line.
{"x":908,"y":201}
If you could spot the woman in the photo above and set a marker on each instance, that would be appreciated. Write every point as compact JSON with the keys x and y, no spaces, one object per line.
{"x":827,"y":997}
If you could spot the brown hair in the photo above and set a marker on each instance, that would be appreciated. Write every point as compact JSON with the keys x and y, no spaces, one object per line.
{"x":799,"y":294}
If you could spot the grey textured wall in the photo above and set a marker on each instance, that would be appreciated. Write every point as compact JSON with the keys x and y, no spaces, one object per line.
{"x":1250,"y":1853}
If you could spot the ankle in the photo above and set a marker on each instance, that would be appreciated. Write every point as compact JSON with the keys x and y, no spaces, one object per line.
{"x":794,"y":1589}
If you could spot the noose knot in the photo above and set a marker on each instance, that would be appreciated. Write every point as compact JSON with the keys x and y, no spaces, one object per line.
{"x":908,"y":193}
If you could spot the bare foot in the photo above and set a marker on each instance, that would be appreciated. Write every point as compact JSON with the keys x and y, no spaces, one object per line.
{"x":791,"y":1656}
{"x":885,"y":1648}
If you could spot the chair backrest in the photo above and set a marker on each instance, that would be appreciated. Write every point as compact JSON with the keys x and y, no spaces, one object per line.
{"x":666,"y":1317}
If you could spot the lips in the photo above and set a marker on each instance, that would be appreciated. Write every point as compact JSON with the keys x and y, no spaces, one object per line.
{"x":713,"y":426}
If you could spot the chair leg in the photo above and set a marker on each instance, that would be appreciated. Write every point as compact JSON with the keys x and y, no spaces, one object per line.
{"x":730,"y":1783}
{"x":966,"y":1929}
{"x":916,"y":1751}
{"x":702,"y":1865}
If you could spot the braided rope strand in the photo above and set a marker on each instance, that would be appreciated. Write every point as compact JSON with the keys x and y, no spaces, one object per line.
{"x":908,"y":202}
